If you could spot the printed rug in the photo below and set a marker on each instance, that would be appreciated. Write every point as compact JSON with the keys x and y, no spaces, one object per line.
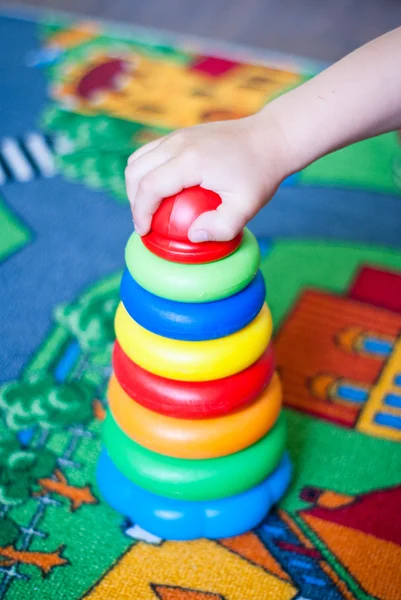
{"x":76,"y":99}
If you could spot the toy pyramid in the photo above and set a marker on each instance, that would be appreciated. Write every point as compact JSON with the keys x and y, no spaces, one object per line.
{"x":194,"y":439}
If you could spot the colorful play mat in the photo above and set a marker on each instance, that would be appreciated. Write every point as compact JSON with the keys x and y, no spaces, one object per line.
{"x":76,"y":99}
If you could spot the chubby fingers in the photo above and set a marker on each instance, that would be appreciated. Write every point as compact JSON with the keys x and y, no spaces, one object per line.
{"x":219,"y":225}
{"x":158,"y":180}
{"x":141,"y":165}
{"x":144,"y":149}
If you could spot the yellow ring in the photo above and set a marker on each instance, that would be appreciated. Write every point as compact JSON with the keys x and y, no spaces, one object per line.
{"x":194,"y":361}
{"x":206,"y":438}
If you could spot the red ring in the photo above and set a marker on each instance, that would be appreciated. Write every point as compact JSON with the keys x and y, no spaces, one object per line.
{"x":193,"y":400}
{"x":188,"y":252}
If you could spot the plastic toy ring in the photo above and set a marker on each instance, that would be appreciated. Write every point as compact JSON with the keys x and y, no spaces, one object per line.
{"x":206,"y":438}
{"x":193,"y":399}
{"x":193,"y":322}
{"x":182,"y":520}
{"x":195,"y":479}
{"x":193,"y":361}
{"x":193,"y":282}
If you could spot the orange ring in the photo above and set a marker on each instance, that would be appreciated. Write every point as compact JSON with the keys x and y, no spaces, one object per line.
{"x":206,"y":438}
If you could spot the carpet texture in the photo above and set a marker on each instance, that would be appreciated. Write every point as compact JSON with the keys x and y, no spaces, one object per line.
{"x":76,"y":100}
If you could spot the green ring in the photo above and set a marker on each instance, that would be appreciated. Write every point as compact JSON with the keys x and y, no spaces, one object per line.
{"x":193,"y":282}
{"x":187,"y":479}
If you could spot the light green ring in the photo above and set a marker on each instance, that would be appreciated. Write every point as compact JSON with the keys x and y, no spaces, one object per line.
{"x":193,"y":282}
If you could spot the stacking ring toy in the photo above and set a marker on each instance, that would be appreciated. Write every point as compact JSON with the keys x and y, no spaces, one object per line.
{"x":193,"y":361}
{"x":194,"y":322}
{"x":168,"y":237}
{"x":195,"y":479}
{"x":182,"y":520}
{"x":193,"y":399}
{"x":193,"y":282}
{"x":205,"y":438}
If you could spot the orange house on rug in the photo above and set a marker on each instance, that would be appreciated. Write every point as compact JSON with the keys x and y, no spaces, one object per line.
{"x":340,"y":360}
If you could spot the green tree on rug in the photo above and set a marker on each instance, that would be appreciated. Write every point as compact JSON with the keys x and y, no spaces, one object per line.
{"x":41,"y":401}
{"x":9,"y":532}
{"x":95,"y":149}
{"x":91,"y":322}
{"x":100,"y":130}
{"x":20,"y":469}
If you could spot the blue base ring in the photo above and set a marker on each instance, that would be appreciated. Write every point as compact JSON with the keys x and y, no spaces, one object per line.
{"x":185,"y":520}
{"x":192,"y":322}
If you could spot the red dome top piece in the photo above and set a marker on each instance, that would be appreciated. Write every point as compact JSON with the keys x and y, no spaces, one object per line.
{"x":168,"y":237}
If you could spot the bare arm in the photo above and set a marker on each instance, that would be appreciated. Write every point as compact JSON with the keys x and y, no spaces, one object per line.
{"x":357,"y":98}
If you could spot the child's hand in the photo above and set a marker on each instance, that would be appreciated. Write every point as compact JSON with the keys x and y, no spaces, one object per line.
{"x":244,"y":161}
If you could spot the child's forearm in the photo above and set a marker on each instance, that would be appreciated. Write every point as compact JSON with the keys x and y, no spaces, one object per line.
{"x":357,"y":98}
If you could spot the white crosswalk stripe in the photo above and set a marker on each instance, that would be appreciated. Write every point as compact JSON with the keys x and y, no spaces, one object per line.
{"x":15,"y":160}
{"x":29,"y":156}
{"x":3,"y":176}
{"x":39,"y":151}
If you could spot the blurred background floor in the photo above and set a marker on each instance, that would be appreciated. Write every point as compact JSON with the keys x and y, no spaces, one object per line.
{"x":321,"y":29}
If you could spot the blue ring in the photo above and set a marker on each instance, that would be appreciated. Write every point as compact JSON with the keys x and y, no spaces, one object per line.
{"x":186,"y":520}
{"x":189,"y":321}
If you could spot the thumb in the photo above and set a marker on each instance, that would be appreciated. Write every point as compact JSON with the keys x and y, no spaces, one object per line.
{"x":219,"y":225}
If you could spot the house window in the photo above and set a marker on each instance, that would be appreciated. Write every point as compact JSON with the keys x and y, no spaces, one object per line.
{"x":392,"y":421}
{"x":353,"y":393}
{"x":393,"y":400}
{"x":377,"y":346}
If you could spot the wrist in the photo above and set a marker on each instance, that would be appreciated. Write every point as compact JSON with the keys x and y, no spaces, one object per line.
{"x":298,"y":116}
{"x":272,"y":136}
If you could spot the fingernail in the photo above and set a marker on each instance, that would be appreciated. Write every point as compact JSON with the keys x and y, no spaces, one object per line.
{"x":199,"y":236}
{"x":137,"y":229}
